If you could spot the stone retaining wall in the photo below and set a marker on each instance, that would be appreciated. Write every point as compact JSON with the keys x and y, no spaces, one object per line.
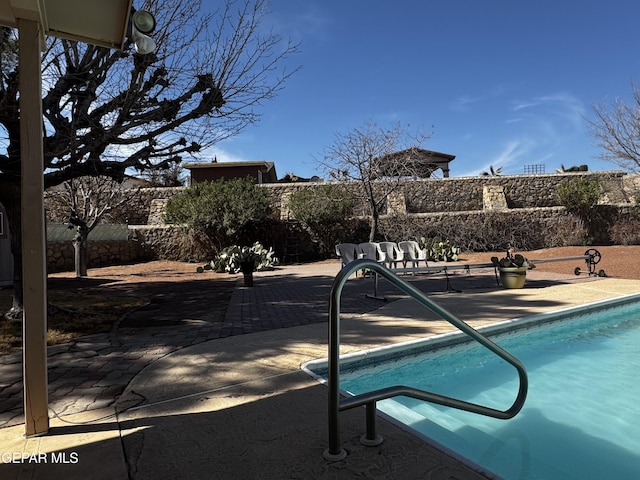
{"x":460,"y":194}
{"x":430,"y":204}
{"x":454,"y":194}
{"x":520,"y":191}
{"x":60,"y":255}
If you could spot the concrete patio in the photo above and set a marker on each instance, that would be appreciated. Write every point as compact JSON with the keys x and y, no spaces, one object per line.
{"x":241,"y":408}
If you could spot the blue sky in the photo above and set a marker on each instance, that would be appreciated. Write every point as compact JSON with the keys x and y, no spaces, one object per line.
{"x":496,"y":83}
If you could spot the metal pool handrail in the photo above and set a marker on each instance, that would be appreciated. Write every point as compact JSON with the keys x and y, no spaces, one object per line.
{"x":335,"y":452}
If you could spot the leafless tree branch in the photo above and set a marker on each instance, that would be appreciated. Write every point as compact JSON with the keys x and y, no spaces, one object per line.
{"x":368,"y":156}
{"x":616,"y":129}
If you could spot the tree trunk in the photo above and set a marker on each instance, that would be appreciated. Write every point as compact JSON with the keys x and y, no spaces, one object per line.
{"x":374,"y":225}
{"x":10,"y":198}
{"x":80,"y":251}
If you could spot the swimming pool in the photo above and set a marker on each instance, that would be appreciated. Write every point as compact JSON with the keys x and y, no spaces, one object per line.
{"x":582,"y":415}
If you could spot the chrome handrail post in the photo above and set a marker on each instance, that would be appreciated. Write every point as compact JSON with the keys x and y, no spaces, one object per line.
{"x":335,"y":452}
{"x":371,"y":439}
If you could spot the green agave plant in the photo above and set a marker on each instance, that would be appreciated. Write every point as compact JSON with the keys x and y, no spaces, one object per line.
{"x":439,"y":250}
{"x":512,"y":260}
{"x":230,"y":258}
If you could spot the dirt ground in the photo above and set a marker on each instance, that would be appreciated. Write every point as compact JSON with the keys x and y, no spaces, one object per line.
{"x":156,"y":290}
{"x":161,"y":281}
{"x":164,"y":285}
{"x":156,"y":278}
{"x":619,"y":261}
{"x":149,"y":293}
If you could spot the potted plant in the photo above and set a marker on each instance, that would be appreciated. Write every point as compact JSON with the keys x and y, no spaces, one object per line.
{"x":513,"y":269}
{"x":247,"y":259}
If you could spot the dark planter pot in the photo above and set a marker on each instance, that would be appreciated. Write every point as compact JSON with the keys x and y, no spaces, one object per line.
{"x":513,"y":277}
{"x":247,"y":269}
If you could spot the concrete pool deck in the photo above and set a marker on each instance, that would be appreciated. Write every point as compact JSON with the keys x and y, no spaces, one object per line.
{"x":240,"y":407}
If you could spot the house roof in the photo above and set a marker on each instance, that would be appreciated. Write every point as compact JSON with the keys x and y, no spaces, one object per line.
{"x":267,"y":170}
{"x":267,"y":165}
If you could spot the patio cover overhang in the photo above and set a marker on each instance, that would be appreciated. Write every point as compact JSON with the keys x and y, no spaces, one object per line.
{"x":99,"y":22}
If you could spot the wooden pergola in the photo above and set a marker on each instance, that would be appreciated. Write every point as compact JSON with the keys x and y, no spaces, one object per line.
{"x":98,"y":22}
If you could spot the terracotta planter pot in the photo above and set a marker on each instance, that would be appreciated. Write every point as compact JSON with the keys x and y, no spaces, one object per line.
{"x":513,"y":277}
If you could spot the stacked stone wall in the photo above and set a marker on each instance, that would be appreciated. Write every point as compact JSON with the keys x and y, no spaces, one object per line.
{"x":138,"y":210}
{"x":521,"y":191}
{"x":454,"y":194}
{"x":430,"y":204}
{"x":60,"y":255}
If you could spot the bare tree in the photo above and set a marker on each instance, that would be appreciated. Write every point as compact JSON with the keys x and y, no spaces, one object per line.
{"x":107,"y":111}
{"x":85,"y":202}
{"x":379,"y":160}
{"x":174,"y":176}
{"x":616,"y":128}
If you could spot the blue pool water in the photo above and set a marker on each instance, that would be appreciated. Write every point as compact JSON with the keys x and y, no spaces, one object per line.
{"x":581,"y":419}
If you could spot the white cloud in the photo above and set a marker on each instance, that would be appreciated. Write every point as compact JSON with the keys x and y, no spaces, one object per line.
{"x":221,"y":155}
{"x":312,"y":23}
{"x":464,"y":103}
{"x":561,"y":109}
{"x":511,"y":154}
{"x":519,"y":105}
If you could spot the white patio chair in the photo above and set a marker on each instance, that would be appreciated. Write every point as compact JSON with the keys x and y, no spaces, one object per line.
{"x":413,"y":253}
{"x":373,"y":251}
{"x":393,"y":253}
{"x":347,"y":252}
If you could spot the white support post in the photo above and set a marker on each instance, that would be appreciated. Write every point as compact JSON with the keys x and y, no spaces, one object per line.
{"x":34,"y":265}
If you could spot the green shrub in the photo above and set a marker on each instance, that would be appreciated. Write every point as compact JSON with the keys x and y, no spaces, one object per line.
{"x":324,"y":210}
{"x":324,"y":204}
{"x":580,"y":195}
{"x":223,"y":207}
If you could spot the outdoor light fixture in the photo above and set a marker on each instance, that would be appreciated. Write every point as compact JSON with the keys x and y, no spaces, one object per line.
{"x":143,"y":23}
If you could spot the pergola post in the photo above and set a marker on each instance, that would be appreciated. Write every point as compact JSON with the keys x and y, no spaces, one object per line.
{"x":34,"y":263}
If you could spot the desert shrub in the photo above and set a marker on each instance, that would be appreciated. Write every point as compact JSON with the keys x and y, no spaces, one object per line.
{"x":580,"y":195}
{"x":625,"y":229}
{"x":489,"y":231}
{"x":177,"y":243}
{"x":324,"y":210}
{"x":223,"y":208}
{"x":497,"y":231}
{"x":569,"y":231}
{"x":323,"y":204}
{"x":625,"y":232}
